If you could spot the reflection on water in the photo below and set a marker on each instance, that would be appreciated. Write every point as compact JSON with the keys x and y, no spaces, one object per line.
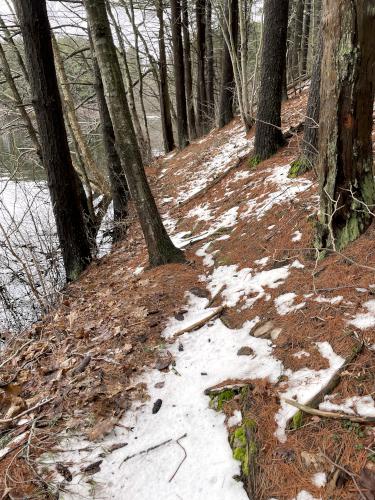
{"x":17,"y":160}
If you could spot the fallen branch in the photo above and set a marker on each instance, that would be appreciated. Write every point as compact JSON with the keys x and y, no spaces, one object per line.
{"x":330,"y":414}
{"x":346,"y":471}
{"x":199,"y":323}
{"x":214,"y":297}
{"x":330,"y":386}
{"x":151,"y":448}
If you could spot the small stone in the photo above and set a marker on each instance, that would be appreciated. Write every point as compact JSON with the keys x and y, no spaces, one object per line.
{"x":157,"y":406}
{"x":245,"y":351}
{"x":180,"y":347}
{"x":263,"y":329}
{"x":159,"y":385}
{"x":200,"y":292}
{"x":275,"y":333}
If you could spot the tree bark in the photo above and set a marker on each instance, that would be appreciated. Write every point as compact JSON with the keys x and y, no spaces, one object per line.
{"x":179,"y":75}
{"x":160,"y":248}
{"x":188,"y":71}
{"x":227,"y":85}
{"x":311,"y":126}
{"x":345,"y":145}
{"x":297,"y":37}
{"x":119,"y":186}
{"x":61,"y":176}
{"x":165,"y":105}
{"x":200,"y":8}
{"x":268,"y":135}
{"x":305,"y":37}
{"x":210,"y":73}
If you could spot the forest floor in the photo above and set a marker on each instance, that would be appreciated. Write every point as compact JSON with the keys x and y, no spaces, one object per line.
{"x":170,"y":383}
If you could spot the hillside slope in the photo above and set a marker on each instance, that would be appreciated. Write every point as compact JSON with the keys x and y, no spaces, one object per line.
{"x":171,"y":382}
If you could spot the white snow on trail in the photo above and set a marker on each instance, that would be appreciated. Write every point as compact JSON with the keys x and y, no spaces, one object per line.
{"x":209,"y":356}
{"x":364,"y":406}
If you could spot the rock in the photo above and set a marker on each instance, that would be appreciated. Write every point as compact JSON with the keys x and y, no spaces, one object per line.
{"x":157,"y":406}
{"x":159,"y":385}
{"x":245,"y":351}
{"x":275,"y":333}
{"x":200,"y":292}
{"x":163,"y":361}
{"x":263,"y":330}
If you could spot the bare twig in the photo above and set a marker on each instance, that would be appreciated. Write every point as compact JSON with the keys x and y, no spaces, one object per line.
{"x":183,"y":460}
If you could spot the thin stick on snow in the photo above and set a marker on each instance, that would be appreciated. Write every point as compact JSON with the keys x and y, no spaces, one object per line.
{"x":199,"y":323}
{"x":151,"y":448}
{"x":183,"y":460}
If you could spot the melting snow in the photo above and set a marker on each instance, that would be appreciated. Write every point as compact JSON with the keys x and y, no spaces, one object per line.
{"x":285,"y":304}
{"x":296,"y":236}
{"x":365,"y":320}
{"x":235,"y":419}
{"x":303,"y":384}
{"x":319,"y":479}
{"x":363,"y":406}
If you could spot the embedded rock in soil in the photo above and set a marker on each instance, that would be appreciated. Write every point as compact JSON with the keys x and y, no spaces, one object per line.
{"x":245,"y":351}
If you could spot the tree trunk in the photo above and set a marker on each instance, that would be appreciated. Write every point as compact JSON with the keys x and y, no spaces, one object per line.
{"x":200,"y":8}
{"x":311,"y":126}
{"x":62,"y":180}
{"x":160,"y":248}
{"x":268,"y":135}
{"x":297,"y":37}
{"x":165,"y":105}
{"x":305,"y":37}
{"x":119,"y":187}
{"x":228,"y":86}
{"x":179,"y":75}
{"x":188,"y":71}
{"x":210,"y":103}
{"x":345,"y":145}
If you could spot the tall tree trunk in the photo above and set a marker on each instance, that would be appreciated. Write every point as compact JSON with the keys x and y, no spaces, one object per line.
{"x":227,"y":85}
{"x":160,"y":248}
{"x":305,"y":37}
{"x":165,"y":105}
{"x":179,"y":75}
{"x":200,"y":8}
{"x":268,"y":135}
{"x":209,"y":66}
{"x":62,"y":180}
{"x":345,"y":145}
{"x":119,"y":187}
{"x":188,"y":71}
{"x":297,"y":37}
{"x":311,"y":126}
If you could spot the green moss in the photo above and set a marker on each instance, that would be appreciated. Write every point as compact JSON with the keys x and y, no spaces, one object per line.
{"x":254,"y":161}
{"x":244,"y":450}
{"x":218,"y":400}
{"x":297,"y":420}
{"x":298,"y":167}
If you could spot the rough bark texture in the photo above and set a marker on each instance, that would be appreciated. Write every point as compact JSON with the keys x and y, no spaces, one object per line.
{"x":165,"y":104}
{"x":179,"y":75}
{"x":227,"y":85}
{"x":62,"y":181}
{"x":119,"y":187}
{"x":305,"y":36}
{"x":268,"y":135}
{"x":297,"y":37}
{"x":188,"y":71}
{"x":311,"y":126}
{"x":200,"y":7}
{"x":345,"y":146}
{"x":160,"y":248}
{"x":210,"y":73}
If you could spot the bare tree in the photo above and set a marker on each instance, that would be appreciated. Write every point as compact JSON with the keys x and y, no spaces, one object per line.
{"x":62,"y":179}
{"x":160,"y":248}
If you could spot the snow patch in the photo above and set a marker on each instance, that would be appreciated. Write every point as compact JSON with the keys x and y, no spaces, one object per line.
{"x":285,"y":304}
{"x":365,"y":320}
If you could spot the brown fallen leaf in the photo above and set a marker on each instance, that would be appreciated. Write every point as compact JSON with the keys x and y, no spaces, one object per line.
{"x":102,"y":428}
{"x":64,"y":471}
{"x":92,"y":468}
